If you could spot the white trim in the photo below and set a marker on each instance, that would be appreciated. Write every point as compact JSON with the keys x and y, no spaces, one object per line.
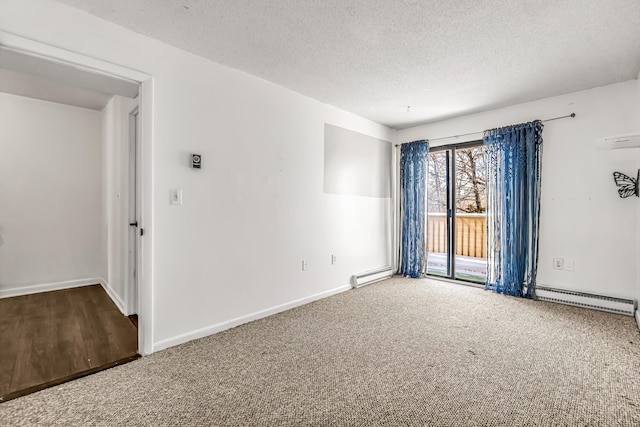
{"x":67,"y":57}
{"x":114,"y":296}
{"x":68,"y":284}
{"x":46,"y":287}
{"x":219,"y":327}
{"x":395,"y":201}
{"x":145,"y":256}
{"x":638,"y":318}
{"x":145,"y":96}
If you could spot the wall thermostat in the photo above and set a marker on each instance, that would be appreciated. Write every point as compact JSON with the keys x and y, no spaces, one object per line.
{"x":196,"y":161}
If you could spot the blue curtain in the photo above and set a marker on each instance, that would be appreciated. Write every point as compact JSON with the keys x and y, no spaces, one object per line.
{"x":514,"y":155}
{"x":413,"y":208}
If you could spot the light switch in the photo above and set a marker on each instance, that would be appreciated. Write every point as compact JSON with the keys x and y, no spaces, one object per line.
{"x":175,"y":196}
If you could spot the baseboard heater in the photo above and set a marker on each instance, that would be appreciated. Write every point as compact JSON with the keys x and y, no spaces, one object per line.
{"x":581,"y":299}
{"x":368,"y":277}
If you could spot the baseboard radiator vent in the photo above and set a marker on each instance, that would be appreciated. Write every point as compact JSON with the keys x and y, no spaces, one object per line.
{"x":368,"y":277}
{"x":581,"y":299}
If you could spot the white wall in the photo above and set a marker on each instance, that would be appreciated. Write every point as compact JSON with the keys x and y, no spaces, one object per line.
{"x":637,"y":127}
{"x":356,"y":164}
{"x":50,"y":193}
{"x":582,"y":218}
{"x":257,"y":207}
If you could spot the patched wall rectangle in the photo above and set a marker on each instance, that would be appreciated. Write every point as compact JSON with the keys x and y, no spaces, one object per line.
{"x":356,"y":164}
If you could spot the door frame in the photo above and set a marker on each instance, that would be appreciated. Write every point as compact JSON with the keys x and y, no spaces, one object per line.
{"x":145,"y":81}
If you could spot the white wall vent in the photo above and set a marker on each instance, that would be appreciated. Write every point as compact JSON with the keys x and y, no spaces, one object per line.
{"x":617,"y":142}
{"x":372,"y":276}
{"x":580,"y":299}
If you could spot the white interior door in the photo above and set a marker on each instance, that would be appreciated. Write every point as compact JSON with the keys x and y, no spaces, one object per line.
{"x":133,"y":250}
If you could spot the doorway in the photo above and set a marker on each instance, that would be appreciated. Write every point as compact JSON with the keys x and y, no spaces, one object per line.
{"x":130,"y":291}
{"x":112,"y":79}
{"x":456,"y":212}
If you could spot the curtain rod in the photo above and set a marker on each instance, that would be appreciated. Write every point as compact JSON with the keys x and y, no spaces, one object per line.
{"x":474,"y":133}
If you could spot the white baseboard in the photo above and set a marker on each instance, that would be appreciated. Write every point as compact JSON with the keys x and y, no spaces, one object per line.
{"x":638,"y":318}
{"x":219,"y":327}
{"x":69,"y":284}
{"x":114,"y":296}
{"x":46,"y":287}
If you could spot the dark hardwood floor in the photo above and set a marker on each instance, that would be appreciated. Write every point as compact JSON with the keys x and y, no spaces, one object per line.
{"x":53,"y":337}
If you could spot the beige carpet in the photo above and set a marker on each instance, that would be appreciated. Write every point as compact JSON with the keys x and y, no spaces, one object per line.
{"x":400,"y":352}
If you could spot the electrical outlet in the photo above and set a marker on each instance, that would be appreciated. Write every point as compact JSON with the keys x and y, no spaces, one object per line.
{"x":334,"y":259}
{"x":569,"y":265}
{"x":305,"y":265}
{"x":558,"y":263}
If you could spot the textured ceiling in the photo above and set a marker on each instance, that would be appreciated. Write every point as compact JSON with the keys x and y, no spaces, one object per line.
{"x":376,"y":57}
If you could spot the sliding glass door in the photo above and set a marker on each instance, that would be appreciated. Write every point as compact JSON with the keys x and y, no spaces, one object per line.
{"x":457,"y":226}
{"x":438,"y":209}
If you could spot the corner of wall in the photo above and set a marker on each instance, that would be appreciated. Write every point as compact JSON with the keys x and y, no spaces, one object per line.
{"x":115,"y":128}
{"x":48,"y":287}
{"x":113,"y":295}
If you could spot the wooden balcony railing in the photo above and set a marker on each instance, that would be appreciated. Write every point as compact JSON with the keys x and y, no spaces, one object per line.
{"x":471,"y":234}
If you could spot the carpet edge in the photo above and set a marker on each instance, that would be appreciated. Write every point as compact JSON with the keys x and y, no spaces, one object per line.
{"x":232,"y":323}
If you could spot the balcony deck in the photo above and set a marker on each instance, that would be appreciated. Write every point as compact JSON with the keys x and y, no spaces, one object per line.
{"x":471,"y":246}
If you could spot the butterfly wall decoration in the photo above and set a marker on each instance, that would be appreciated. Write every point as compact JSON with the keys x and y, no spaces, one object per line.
{"x":627,"y":186}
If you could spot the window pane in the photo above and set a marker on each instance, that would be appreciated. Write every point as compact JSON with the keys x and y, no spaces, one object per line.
{"x":471,"y":217}
{"x":437,"y":196}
